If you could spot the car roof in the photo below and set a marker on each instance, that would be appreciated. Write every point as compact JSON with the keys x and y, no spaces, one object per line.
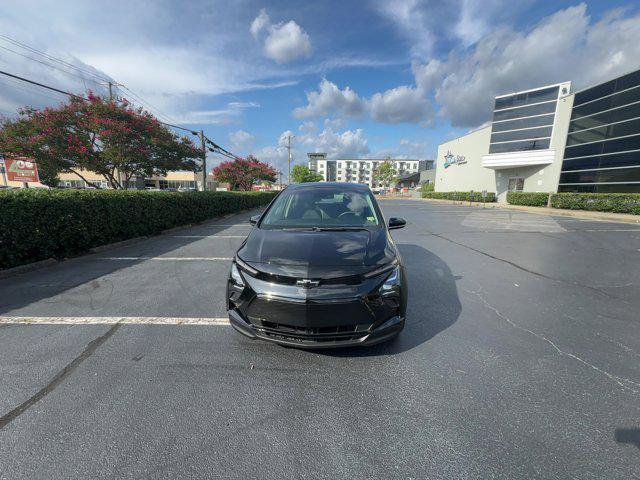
{"x":333,"y":185}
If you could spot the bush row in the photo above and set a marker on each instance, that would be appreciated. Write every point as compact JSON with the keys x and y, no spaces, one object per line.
{"x":460,"y":196}
{"x":40,"y":224}
{"x":531,"y":199}
{"x":601,"y":202}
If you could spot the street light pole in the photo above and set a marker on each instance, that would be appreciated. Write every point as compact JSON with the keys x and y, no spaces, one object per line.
{"x":289,"y":148}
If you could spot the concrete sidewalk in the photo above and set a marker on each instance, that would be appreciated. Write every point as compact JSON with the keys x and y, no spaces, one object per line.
{"x":585,"y":214}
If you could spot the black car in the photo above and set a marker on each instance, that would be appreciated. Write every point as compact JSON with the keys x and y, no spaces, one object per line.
{"x":319,"y":269}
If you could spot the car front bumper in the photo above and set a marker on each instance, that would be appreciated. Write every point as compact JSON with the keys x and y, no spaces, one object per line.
{"x":331,"y":337}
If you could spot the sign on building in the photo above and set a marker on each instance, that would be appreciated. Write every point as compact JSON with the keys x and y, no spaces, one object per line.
{"x":451,"y":159}
{"x":21,"y":170}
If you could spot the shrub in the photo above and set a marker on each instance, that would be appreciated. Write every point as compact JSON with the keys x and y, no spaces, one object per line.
{"x":460,"y":196}
{"x":427,"y":187}
{"x":601,"y":202}
{"x":36,"y":224}
{"x":531,"y":199}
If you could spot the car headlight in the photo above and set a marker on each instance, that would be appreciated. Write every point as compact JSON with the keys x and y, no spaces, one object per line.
{"x":392,"y":283}
{"x":235,"y":275}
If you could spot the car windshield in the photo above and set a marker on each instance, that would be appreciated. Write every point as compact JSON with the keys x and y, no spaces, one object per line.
{"x":322,"y":208}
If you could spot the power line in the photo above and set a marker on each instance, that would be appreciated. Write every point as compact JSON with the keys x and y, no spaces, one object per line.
{"x":51,"y":66}
{"x":52,"y":58}
{"x":140,"y":100}
{"x":42,"y":85}
{"x":218,"y":148}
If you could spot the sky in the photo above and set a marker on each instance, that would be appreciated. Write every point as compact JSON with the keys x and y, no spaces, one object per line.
{"x":349,"y":78}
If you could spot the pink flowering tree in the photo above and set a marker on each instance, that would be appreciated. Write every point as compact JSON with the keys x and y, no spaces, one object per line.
{"x":242,"y":173}
{"x":110,"y":138}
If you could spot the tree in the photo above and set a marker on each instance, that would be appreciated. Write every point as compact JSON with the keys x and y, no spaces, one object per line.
{"x":302,"y":174}
{"x":243,"y":173}
{"x":110,"y":138}
{"x":385,"y":173}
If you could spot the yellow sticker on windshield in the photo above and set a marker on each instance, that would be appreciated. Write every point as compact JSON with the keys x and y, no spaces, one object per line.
{"x":371,"y":219}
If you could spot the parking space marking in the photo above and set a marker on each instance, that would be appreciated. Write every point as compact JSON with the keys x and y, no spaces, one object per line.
{"x":189,"y":259}
{"x":217,"y":321}
{"x":206,"y":236}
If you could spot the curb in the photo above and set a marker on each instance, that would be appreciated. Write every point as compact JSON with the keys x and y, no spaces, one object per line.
{"x":581,"y":214}
{"x":10,"y":272}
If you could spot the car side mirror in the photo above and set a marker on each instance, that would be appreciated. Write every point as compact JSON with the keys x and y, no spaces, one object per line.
{"x":253,"y":220}
{"x":396,"y":222}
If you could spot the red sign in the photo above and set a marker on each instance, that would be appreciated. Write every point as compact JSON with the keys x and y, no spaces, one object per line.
{"x":21,"y":170}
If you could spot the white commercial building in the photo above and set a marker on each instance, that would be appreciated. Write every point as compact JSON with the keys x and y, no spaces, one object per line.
{"x":549,"y":139}
{"x":360,"y":170}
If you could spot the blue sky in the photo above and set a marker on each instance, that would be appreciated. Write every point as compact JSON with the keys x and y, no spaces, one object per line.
{"x":351,"y":78}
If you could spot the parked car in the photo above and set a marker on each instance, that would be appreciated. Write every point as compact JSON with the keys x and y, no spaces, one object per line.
{"x":319,"y":269}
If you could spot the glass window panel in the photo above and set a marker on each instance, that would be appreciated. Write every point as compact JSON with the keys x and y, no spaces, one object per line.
{"x":612,"y":116}
{"x":627,"y":81}
{"x":519,"y":146}
{"x":617,"y":100}
{"x":523,"y":123}
{"x":603,"y":188}
{"x":610,"y":146}
{"x":522,"y":134}
{"x":630,"y":127}
{"x":594,"y":92}
{"x":527,"y":98}
{"x":524,"y":111}
{"x":622,"y":144}
{"x":616,"y":160}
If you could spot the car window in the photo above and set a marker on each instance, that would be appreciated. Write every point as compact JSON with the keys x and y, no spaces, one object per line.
{"x":321,"y":207}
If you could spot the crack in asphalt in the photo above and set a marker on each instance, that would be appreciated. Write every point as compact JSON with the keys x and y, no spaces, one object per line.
{"x":59,"y":377}
{"x":524,"y":269}
{"x":623,"y":382}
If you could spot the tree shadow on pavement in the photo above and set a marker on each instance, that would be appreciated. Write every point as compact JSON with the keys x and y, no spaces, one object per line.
{"x":433,"y":304}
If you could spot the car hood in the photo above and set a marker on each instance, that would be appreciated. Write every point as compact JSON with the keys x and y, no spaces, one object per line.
{"x":317,"y":254}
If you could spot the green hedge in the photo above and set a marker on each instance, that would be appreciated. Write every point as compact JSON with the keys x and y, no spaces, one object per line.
{"x":460,"y":196}
{"x":37,"y":224}
{"x":601,"y":202}
{"x":531,"y":199}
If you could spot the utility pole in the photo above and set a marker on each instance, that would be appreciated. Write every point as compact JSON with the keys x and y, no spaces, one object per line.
{"x":204,"y":161}
{"x":111,"y":100}
{"x":289,"y":148}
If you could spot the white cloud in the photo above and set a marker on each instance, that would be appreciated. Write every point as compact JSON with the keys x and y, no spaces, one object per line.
{"x":397,"y":105}
{"x":241,"y":139}
{"x":283,"y":42}
{"x":260,"y":23}
{"x":563,"y":46}
{"x":330,"y":99}
{"x":176,"y":60}
{"x":400,"y":104}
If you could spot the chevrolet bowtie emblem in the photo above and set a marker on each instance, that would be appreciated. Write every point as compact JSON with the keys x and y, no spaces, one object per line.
{"x":306,"y":283}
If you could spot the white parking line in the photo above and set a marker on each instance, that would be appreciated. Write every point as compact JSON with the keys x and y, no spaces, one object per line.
{"x":219,"y":321}
{"x":188,"y":259}
{"x":206,"y":236}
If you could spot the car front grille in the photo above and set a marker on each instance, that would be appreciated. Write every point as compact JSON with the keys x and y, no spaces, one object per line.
{"x":309,"y":315}
{"x":292,"y":333}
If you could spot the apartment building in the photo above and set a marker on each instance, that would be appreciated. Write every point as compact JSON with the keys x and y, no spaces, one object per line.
{"x":360,"y":170}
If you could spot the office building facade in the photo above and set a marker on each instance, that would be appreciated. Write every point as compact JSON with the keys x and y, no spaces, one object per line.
{"x":550,"y":139}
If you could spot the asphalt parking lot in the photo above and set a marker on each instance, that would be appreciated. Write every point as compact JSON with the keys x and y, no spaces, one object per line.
{"x":520,"y":359}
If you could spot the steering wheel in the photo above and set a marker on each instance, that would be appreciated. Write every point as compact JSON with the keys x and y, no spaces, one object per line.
{"x":348,"y":212}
